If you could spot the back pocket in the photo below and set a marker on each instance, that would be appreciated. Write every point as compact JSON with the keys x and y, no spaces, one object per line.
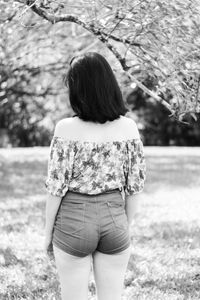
{"x":72,"y":217}
{"x":118,"y":214}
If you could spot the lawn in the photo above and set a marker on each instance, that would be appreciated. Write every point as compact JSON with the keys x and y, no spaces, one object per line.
{"x":165,"y":259}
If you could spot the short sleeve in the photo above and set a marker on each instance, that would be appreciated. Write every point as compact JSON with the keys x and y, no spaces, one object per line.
{"x":59,"y":167}
{"x":136,"y":167}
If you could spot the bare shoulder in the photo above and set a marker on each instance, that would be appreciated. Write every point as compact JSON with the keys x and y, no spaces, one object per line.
{"x":71,"y":128}
{"x":131,"y":127}
{"x":63,"y":127}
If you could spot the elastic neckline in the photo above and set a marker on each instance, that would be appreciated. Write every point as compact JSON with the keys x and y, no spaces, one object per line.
{"x":95,"y":142}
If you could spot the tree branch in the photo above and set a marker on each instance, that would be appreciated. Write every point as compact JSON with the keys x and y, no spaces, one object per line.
{"x":103,"y":37}
{"x":197,"y":93}
{"x":53,"y":18}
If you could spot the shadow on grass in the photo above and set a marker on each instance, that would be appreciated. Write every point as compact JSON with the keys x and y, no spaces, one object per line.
{"x":9,"y":258}
{"x":166,"y":260}
{"x":172,"y":172}
{"x":22,"y":178}
{"x":179,"y":233}
{"x":187,"y":285}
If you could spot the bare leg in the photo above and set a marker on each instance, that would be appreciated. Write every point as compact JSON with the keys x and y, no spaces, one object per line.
{"x":74,"y":274}
{"x":109,"y":272}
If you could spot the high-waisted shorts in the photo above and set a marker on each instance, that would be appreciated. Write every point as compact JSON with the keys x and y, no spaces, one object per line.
{"x":85,"y":223}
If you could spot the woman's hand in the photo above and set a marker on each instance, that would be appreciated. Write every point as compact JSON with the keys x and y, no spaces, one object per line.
{"x":52,"y":206}
{"x":48,"y":247}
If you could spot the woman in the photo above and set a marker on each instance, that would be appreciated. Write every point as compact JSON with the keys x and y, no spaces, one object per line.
{"x":95,"y":168}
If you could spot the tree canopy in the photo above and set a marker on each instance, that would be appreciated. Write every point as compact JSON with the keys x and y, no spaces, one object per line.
{"x":153,"y":47}
{"x":149,"y":38}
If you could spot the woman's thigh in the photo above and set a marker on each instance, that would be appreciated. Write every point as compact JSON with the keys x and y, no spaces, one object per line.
{"x":73,"y":272}
{"x":109,"y":272}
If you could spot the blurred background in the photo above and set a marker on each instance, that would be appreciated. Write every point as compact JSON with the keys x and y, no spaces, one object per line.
{"x":157,"y":42}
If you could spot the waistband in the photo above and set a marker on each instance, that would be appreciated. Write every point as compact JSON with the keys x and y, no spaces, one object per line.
{"x":108,"y":195}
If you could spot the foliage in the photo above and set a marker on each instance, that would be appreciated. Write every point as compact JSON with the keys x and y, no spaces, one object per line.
{"x":156,"y":128}
{"x":32,"y":98}
{"x":149,"y":38}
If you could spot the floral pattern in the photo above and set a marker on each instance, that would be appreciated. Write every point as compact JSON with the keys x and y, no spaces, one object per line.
{"x":95,"y":167}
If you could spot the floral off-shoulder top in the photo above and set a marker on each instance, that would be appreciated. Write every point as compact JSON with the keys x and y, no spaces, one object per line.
{"x":95,"y":167}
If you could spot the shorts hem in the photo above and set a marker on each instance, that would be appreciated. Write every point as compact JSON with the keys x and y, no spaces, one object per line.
{"x":69,"y":250}
{"x":116,"y":250}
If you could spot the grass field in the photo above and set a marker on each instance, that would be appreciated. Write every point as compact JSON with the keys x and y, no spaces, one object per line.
{"x":165,"y":259}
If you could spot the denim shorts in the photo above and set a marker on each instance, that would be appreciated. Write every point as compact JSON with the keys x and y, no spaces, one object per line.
{"x":85,"y":223}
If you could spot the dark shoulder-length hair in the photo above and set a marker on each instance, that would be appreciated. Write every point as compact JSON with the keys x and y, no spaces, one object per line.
{"x":94,"y":93}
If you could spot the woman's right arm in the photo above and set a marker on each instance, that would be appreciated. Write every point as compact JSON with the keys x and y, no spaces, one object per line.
{"x":136,"y":174}
{"x":132,"y":207}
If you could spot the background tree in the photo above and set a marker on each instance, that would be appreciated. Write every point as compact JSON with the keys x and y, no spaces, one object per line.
{"x":33,"y":58}
{"x":35,"y":51}
{"x":156,"y":127}
{"x":149,"y":38}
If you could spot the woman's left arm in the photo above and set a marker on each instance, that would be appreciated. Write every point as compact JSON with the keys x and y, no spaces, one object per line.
{"x":52,"y":206}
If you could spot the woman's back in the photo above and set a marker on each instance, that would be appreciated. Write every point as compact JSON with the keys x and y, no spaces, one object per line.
{"x":76,"y":129}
